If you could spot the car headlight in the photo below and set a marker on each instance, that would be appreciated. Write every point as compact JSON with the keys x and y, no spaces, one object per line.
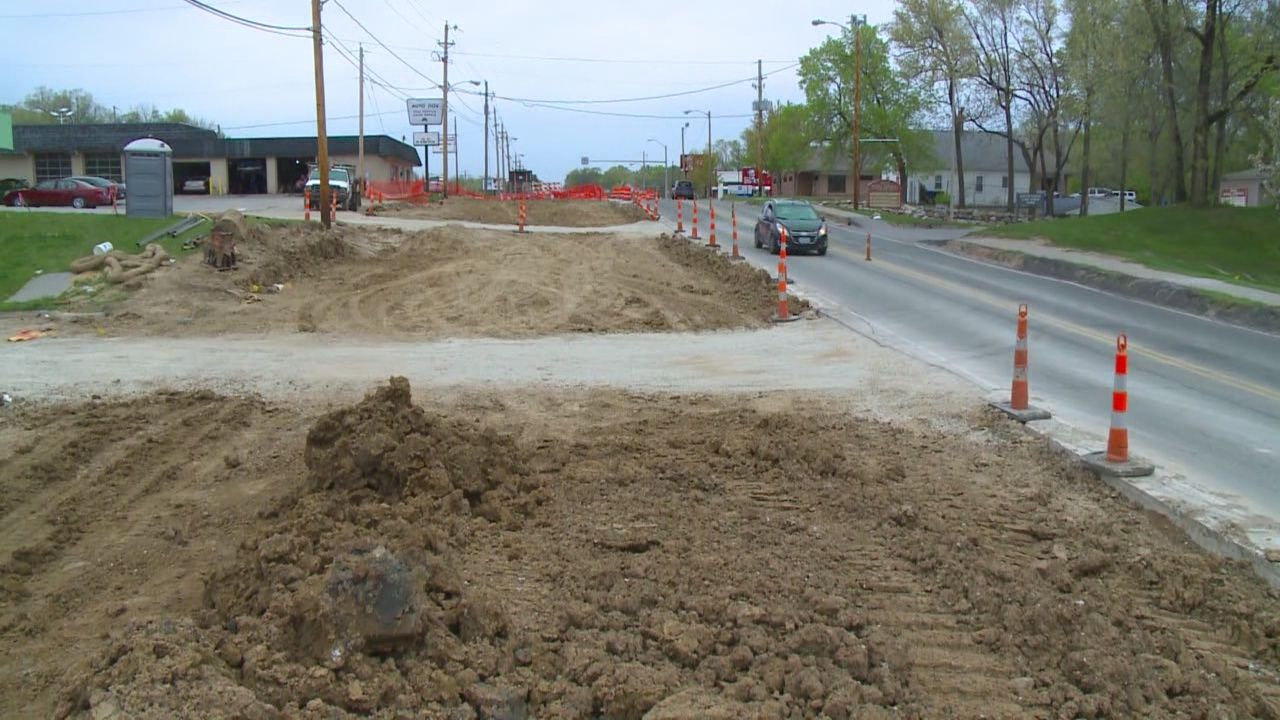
{"x":822,"y":230}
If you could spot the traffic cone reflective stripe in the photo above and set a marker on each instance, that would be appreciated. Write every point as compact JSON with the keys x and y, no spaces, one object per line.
{"x":1118,"y":438}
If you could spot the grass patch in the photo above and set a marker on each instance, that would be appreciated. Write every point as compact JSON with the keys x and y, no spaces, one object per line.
{"x":31,"y":241}
{"x":1237,"y":245}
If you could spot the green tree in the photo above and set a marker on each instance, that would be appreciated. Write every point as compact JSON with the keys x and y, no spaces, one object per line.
{"x":1267,"y":159}
{"x":584,"y":176}
{"x":937,"y":47}
{"x":788,"y":135}
{"x":891,"y":108}
{"x":991,"y":22}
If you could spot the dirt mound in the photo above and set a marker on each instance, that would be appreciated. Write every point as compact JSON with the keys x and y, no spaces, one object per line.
{"x":746,"y":285}
{"x":672,"y":557}
{"x":451,"y":282}
{"x":281,"y":253}
{"x":562,"y":213}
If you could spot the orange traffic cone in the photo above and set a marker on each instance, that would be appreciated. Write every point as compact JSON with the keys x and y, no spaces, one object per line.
{"x":1116,"y":460}
{"x":1019,"y":406}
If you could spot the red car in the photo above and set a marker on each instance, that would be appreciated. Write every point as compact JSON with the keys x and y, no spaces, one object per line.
{"x":76,"y":193}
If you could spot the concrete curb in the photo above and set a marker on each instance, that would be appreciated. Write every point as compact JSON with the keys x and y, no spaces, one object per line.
{"x":1205,"y":537}
{"x":1157,"y":292}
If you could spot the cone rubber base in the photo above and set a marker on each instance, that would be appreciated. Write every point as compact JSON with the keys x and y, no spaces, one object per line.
{"x":1023,"y":416}
{"x":1132,"y":468}
{"x":737,"y":257}
{"x":780,"y":319}
{"x":790,"y":281}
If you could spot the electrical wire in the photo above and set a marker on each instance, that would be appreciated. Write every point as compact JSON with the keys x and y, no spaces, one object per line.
{"x":286,"y":30}
{"x":617,"y":61}
{"x":636,"y":99}
{"x":384,"y":46}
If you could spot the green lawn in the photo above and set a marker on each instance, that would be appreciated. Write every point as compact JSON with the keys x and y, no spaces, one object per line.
{"x":1240,"y":245}
{"x":31,"y":241}
{"x":903,"y":220}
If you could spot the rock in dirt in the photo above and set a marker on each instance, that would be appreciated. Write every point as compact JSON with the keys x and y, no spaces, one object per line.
{"x":498,"y":702}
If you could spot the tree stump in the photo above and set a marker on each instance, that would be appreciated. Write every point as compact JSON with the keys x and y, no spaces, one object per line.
{"x":228,"y":229}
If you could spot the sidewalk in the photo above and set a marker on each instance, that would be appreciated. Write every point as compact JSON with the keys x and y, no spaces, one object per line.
{"x":1040,"y":248}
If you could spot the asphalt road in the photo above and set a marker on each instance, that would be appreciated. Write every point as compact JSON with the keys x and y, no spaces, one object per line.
{"x":1204,"y":395}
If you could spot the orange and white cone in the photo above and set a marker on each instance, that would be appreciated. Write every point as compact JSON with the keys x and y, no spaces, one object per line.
{"x":1115,"y":460}
{"x":783,"y":313}
{"x":711,"y":241}
{"x":523,"y":215}
{"x":306,"y":205}
{"x":694,"y":234}
{"x":679,"y":216}
{"x":733,"y":216}
{"x":1019,"y":405}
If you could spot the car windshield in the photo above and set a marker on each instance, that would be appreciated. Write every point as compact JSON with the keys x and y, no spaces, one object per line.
{"x":335,"y":175}
{"x":96,"y":181}
{"x":796,"y":211}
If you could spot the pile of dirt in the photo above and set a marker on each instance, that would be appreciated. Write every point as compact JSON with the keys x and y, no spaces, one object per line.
{"x":624,"y":556}
{"x":562,"y":213}
{"x":450,"y":282}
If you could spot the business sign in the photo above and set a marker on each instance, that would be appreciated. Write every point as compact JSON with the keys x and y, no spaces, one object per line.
{"x":1238,"y":196}
{"x":425,"y":111}
{"x":424,"y":139}
{"x":586,"y":160}
{"x":1031,"y":199}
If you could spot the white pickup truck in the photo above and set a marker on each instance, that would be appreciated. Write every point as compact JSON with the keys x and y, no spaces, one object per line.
{"x":339,"y":185}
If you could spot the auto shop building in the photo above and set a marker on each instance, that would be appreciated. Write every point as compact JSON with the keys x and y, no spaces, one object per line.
{"x":244,"y":166}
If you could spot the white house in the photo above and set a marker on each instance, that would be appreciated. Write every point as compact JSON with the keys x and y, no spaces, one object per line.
{"x":986,"y":170}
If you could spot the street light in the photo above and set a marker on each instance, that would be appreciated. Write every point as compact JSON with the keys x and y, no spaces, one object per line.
{"x":855,"y":25}
{"x":712,"y":170}
{"x":666,"y":168}
{"x":61,"y":113}
{"x":683,"y":172}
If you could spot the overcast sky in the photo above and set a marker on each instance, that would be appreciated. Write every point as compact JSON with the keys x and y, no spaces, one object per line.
{"x":258,"y":84}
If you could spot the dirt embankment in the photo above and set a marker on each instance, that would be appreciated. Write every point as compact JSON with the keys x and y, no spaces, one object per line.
{"x":447,"y":282}
{"x":598,"y":555}
{"x":562,"y":213}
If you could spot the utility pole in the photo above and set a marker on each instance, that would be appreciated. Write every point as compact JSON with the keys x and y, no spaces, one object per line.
{"x":497,"y":153}
{"x":855,"y":24}
{"x":759,"y":124}
{"x":455,"y":153}
{"x":322,"y":136}
{"x":444,"y":110}
{"x":360,"y":156}
{"x":710,"y":178}
{"x":485,"y":189}
{"x":506,"y":141}
{"x":683,"y":173}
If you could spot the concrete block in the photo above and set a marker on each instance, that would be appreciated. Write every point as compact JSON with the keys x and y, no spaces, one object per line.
{"x":1133,"y":468}
{"x":1023,"y":416}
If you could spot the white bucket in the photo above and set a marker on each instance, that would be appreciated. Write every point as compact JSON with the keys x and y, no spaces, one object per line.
{"x":103,"y":248}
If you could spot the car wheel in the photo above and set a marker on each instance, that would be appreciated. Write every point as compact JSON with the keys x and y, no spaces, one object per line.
{"x":757,"y":240}
{"x":77,"y":203}
{"x":822,"y":250}
{"x":19,"y":200}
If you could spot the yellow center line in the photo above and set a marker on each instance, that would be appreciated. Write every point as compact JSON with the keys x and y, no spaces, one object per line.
{"x":1003,"y":304}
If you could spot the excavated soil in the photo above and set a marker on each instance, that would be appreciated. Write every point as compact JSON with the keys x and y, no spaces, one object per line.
{"x":594,"y":554}
{"x":446,"y":282}
{"x":561,"y":213}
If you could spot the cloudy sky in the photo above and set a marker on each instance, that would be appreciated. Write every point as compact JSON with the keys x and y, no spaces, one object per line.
{"x":534,"y":54}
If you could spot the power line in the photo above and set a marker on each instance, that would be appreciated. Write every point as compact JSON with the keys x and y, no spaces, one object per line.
{"x":635,"y":99}
{"x":626,"y":115}
{"x":93,"y":13}
{"x":286,"y":30}
{"x":384,"y":45}
{"x":615,"y":61}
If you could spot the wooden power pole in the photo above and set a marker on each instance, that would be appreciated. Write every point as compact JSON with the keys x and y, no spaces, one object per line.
{"x":322,"y":134}
{"x":485,"y":189}
{"x":359,"y":183}
{"x":855,"y":22}
{"x":444,"y":113}
{"x":760,"y":126}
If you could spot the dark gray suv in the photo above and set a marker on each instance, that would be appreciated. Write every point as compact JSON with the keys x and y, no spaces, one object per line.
{"x":682,"y":189}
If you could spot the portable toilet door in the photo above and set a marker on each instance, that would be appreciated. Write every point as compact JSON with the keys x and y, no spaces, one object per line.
{"x":148,"y":168}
